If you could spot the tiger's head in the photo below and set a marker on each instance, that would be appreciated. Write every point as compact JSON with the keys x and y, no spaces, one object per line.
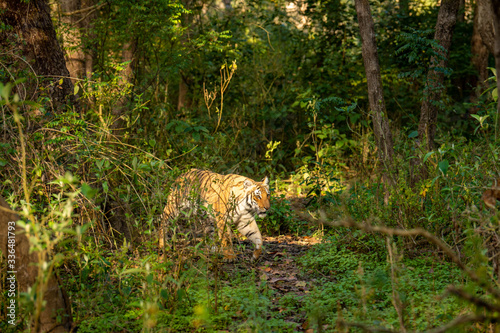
{"x":258,"y":196}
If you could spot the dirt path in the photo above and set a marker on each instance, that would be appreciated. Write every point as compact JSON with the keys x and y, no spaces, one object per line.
{"x":278,"y":268}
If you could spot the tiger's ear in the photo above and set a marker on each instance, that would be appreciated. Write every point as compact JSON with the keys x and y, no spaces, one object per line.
{"x":247,"y":183}
{"x":265,"y":181}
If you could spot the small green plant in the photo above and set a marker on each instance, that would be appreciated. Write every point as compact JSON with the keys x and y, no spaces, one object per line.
{"x":281,"y":219}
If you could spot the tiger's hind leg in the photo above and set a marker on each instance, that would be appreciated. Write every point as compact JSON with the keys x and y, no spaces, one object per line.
{"x":225,"y":237}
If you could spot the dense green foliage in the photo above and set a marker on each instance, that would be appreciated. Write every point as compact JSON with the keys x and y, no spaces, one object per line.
{"x":294,"y":107}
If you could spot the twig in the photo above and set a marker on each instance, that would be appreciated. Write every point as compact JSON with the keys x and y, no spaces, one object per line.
{"x":479,"y":302}
{"x":83,"y":10}
{"x":470,"y":318}
{"x":349,"y":222}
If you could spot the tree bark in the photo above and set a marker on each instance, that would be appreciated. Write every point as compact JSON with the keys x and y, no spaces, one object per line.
{"x":486,"y":25}
{"x":35,"y":38}
{"x":128,"y":55}
{"x":183,"y":101}
{"x":57,"y":303}
{"x":381,"y":130}
{"x":496,"y":53}
{"x":75,"y":57}
{"x":481,"y":44}
{"x":447,"y":18}
{"x":461,"y":11}
{"x":77,"y":17}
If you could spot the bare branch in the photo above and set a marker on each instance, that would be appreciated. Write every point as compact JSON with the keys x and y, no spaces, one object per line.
{"x":349,"y":222}
{"x":470,"y":318}
{"x":479,"y":302}
{"x":83,"y":10}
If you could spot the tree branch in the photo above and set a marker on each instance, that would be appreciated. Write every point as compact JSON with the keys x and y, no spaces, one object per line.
{"x":424,"y":233}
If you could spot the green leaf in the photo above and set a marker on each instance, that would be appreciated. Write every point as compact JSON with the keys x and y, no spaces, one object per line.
{"x":88,"y":191}
{"x":100,"y":163}
{"x":152,"y":142}
{"x":413,"y":134}
{"x":105,"y":187}
{"x":75,"y":89}
{"x":475,"y":116}
{"x":5,"y":90}
{"x":443,"y":166}
{"x":428,"y":155}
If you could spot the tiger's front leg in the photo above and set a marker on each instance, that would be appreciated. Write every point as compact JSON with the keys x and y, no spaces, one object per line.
{"x":250,"y":230}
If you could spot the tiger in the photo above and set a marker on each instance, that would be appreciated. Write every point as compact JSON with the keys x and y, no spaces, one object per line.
{"x":234,"y":199}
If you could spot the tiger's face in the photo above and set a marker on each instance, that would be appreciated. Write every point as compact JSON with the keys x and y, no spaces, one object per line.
{"x":260,"y":196}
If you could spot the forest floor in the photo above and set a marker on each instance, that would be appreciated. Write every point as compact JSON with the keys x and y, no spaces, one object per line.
{"x":278,"y":268}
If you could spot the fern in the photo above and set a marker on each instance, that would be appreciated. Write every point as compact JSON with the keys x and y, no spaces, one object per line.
{"x":422,"y":52}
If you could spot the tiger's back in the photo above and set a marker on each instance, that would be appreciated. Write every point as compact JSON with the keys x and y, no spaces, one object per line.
{"x":234,"y":199}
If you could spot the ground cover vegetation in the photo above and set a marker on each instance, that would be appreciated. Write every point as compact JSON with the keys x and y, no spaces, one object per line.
{"x":354,"y":242}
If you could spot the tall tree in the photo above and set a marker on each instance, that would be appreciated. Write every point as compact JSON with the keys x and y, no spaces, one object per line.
{"x":57,"y":303}
{"x":71,"y":19}
{"x":461,"y":11}
{"x":496,"y":53}
{"x":126,"y":78}
{"x":77,"y":17}
{"x":381,"y":130}
{"x":34,"y":37}
{"x":482,"y":43}
{"x":447,"y":18}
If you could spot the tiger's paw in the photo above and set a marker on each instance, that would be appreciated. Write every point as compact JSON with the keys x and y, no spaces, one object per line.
{"x":256,"y":254}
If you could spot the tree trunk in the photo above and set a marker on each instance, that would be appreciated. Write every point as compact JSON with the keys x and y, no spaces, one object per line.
{"x":35,"y":38}
{"x":57,"y":303}
{"x":481,"y":44}
{"x":461,"y":11}
{"x":71,"y":33}
{"x":183,"y":101}
{"x":77,"y":17}
{"x":486,"y":25}
{"x":128,"y":54}
{"x":496,"y":53}
{"x":447,"y":18}
{"x":381,"y":130}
